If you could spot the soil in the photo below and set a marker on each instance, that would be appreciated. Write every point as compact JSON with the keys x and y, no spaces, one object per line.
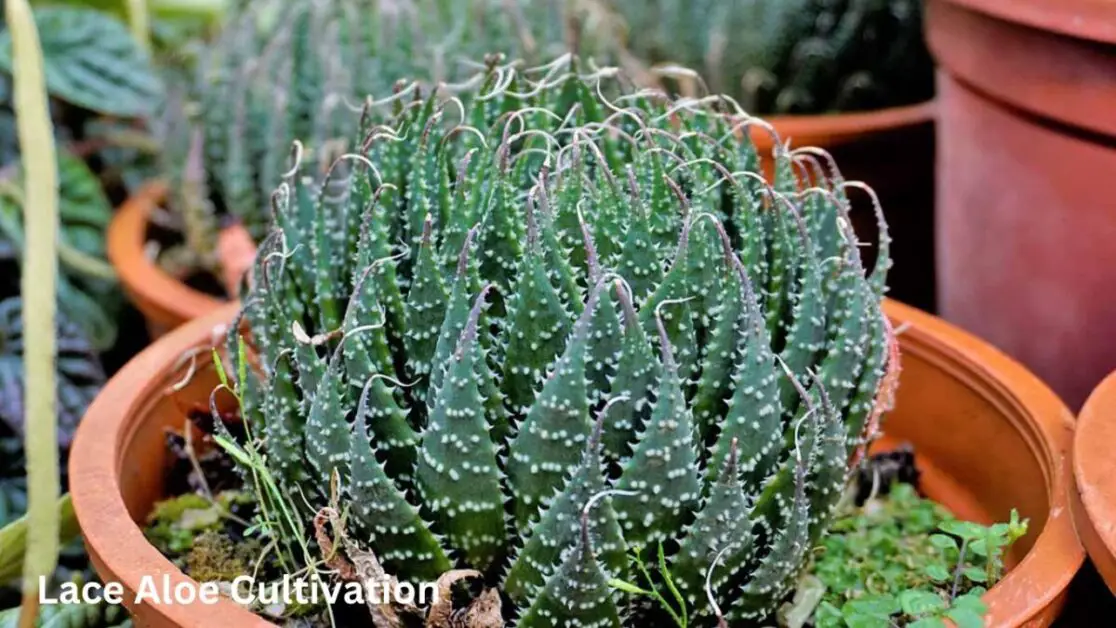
{"x":198,"y":279}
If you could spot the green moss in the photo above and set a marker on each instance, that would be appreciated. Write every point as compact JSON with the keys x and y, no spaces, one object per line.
{"x":215,"y":557}
{"x":174,"y":524}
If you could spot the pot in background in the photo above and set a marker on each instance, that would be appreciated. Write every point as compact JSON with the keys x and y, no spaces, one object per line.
{"x":1027,"y":141}
{"x":164,"y":300}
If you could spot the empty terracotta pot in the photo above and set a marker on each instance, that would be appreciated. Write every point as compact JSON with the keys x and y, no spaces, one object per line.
{"x":1094,"y":472}
{"x":990,"y":437}
{"x":165,"y":300}
{"x":1026,"y":142}
{"x":891,"y":150}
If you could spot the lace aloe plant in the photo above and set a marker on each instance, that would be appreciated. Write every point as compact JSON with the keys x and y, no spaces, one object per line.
{"x":789,"y":56}
{"x":534,"y":327}
{"x":286,"y":70}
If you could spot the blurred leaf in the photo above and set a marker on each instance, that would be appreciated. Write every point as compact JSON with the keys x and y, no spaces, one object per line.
{"x":199,"y":9}
{"x":964,"y":529}
{"x":72,"y":616}
{"x":83,"y":202}
{"x":8,"y":148}
{"x":84,"y":212}
{"x":917,"y":603}
{"x":13,"y":538}
{"x":971,"y":601}
{"x":966,"y":618}
{"x":80,"y":375}
{"x":976,"y":574}
{"x":128,"y":155}
{"x":91,"y":60}
{"x":872,"y":605}
{"x":13,"y":494}
{"x":938,"y":573}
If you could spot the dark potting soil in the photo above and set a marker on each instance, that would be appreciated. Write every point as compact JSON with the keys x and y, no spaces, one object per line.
{"x":198,"y":279}
{"x":200,"y":464}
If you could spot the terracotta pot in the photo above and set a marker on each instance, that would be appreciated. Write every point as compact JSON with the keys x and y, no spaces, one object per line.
{"x":119,"y":470}
{"x":1094,"y":471}
{"x":990,"y":437}
{"x":893,"y":151}
{"x":1027,"y":138}
{"x":165,"y":300}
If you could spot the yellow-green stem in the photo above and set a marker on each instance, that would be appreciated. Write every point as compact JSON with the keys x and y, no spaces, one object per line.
{"x":212,"y":9}
{"x":87,"y":265}
{"x":140,"y":22}
{"x":39,"y":276}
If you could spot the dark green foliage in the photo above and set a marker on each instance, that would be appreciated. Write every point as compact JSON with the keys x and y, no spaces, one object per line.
{"x":457,"y":475}
{"x":80,"y":375}
{"x":576,"y":594}
{"x":87,"y":297}
{"x":662,"y":475}
{"x":548,"y":541}
{"x":789,"y":56}
{"x":286,"y":70}
{"x":382,"y":512}
{"x":100,"y":82}
{"x":570,"y":275}
{"x":92,"y":61}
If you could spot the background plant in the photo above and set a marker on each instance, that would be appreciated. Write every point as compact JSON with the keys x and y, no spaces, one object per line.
{"x":93,"y":69}
{"x":789,"y":56}
{"x":284,"y":71}
{"x":84,"y":72}
{"x":496,"y":270}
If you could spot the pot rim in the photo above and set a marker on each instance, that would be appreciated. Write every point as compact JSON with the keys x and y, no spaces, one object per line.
{"x":1044,"y":421}
{"x":158,"y":294}
{"x":116,"y":544}
{"x":119,"y":549}
{"x":831,"y":129}
{"x":1096,"y":431}
{"x":1085,"y":19}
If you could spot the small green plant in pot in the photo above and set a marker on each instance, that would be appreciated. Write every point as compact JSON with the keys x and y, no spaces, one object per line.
{"x":547,"y":334}
{"x":899,"y":559}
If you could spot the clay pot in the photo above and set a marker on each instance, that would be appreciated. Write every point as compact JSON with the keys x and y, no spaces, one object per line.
{"x":892,"y":150}
{"x":989,"y":435}
{"x":165,"y":300}
{"x":1027,"y":139}
{"x":117,"y":470}
{"x":1094,"y":471}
